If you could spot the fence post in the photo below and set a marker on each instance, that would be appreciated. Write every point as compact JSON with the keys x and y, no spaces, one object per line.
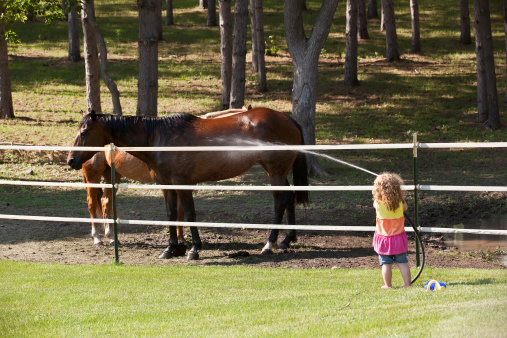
{"x":416,"y":197}
{"x":113,"y":187}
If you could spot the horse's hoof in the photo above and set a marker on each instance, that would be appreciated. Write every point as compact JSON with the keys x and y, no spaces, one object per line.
{"x":166,"y":255}
{"x":283,"y":246}
{"x":97,"y":244}
{"x":266,"y":252}
{"x":112,"y":243}
{"x":192,"y":256}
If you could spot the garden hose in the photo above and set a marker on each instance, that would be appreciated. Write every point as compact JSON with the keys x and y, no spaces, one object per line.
{"x":418,"y":237}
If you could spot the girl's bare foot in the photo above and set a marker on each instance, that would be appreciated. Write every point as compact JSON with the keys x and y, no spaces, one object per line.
{"x":386,"y":287}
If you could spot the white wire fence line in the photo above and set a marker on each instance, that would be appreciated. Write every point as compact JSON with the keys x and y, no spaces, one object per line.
{"x":414,"y":145}
{"x":373,"y":146}
{"x":250,"y":225}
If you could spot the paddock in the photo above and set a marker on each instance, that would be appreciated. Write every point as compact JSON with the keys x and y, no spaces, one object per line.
{"x":253,"y":229}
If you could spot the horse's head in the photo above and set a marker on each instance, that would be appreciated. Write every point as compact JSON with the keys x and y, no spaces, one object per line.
{"x":91,"y":133}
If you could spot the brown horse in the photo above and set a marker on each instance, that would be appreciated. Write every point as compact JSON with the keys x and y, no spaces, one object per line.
{"x":256,"y":126}
{"x":126,"y":165}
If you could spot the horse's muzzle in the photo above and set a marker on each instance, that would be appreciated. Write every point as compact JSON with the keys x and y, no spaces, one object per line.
{"x":76,"y":165}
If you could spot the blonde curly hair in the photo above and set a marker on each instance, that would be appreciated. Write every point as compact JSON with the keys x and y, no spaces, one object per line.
{"x":387,"y":189}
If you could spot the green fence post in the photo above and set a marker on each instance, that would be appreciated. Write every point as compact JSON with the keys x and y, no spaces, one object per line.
{"x":416,"y":197}
{"x":113,"y":187}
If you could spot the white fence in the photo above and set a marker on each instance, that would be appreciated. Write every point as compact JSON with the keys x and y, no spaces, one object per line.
{"x":415,"y":145}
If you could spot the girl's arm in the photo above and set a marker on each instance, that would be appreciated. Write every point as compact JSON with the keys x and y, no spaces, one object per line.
{"x":405,"y":206}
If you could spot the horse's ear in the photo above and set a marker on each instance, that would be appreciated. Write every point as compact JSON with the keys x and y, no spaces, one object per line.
{"x":93,"y":115}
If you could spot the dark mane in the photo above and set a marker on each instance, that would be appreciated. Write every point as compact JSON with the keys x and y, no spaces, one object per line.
{"x":176,"y":123}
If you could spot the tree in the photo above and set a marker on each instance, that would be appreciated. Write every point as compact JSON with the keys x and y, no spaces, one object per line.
{"x":350,"y":78}
{"x":91,"y":54}
{"x":255,"y":43}
{"x":362,"y":21}
{"x":147,"y":84}
{"x":225,"y":49}
{"x":11,"y":11}
{"x":211,"y":20}
{"x":73,"y":24}
{"x":89,"y":7}
{"x":305,"y":56}
{"x":416,"y":32}
{"x":169,"y":16}
{"x":6,"y":108}
{"x":487,"y":95}
{"x":392,"y":53}
{"x":505,"y":29}
{"x":372,"y":9}
{"x":239,"y":54}
{"x":259,"y":55}
{"x":464,"y":22}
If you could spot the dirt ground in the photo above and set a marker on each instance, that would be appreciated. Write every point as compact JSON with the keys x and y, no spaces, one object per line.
{"x":69,"y":243}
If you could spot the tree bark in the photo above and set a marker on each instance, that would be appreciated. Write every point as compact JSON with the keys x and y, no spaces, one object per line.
{"x":372,"y":9}
{"x":464,"y":22}
{"x":147,"y":84}
{"x":350,"y":78}
{"x":203,"y":4}
{"x":6,"y":108}
{"x":111,"y":85}
{"x":487,"y":95}
{"x":382,"y":18}
{"x":169,"y":13}
{"x":416,"y":31}
{"x":362,"y":22}
{"x":262,"y":85}
{"x":239,"y":54}
{"x":74,"y":44}
{"x":305,"y":56}
{"x":391,"y":38}
{"x":91,"y":60}
{"x":255,"y":66}
{"x":211,"y":20}
{"x":505,"y":29}
{"x":225,"y":49}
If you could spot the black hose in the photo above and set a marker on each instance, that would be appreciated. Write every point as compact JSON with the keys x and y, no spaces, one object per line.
{"x":418,"y":237}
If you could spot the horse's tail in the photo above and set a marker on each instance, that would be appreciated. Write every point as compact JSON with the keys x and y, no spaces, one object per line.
{"x":300,"y":172}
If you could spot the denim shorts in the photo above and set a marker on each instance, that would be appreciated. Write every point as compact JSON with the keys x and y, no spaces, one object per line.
{"x":390,"y":259}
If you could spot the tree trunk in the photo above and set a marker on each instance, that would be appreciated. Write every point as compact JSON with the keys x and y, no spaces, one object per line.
{"x":362,"y":22}
{"x":391,"y":38}
{"x":211,"y":20}
{"x":305,"y":56}
{"x":255,"y":43}
{"x":464,"y":22}
{"x":74,"y":44}
{"x":416,"y":32}
{"x":372,"y":9}
{"x":505,"y":29}
{"x":225,"y":49}
{"x":239,"y":54}
{"x":169,"y":15}
{"x":486,"y":87}
{"x":91,"y":60}
{"x":111,"y":85}
{"x":350,"y":78}
{"x":382,"y":18}
{"x":6,"y":108}
{"x":262,"y":85}
{"x":203,"y":4}
{"x":147,"y":84}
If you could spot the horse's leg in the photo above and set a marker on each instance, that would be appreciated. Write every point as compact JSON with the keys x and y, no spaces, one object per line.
{"x":179,"y":229}
{"x":92,"y":174}
{"x":171,"y":203}
{"x":187,"y":202}
{"x":282,"y":200}
{"x":107,"y":204}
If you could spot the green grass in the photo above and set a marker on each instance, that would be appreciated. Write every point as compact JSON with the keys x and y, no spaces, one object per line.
{"x":57,"y":300}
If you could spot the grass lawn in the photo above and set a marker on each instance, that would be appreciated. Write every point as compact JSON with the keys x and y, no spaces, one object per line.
{"x":39,"y":300}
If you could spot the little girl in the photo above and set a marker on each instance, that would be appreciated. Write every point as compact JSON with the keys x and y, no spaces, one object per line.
{"x":390,"y":240}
